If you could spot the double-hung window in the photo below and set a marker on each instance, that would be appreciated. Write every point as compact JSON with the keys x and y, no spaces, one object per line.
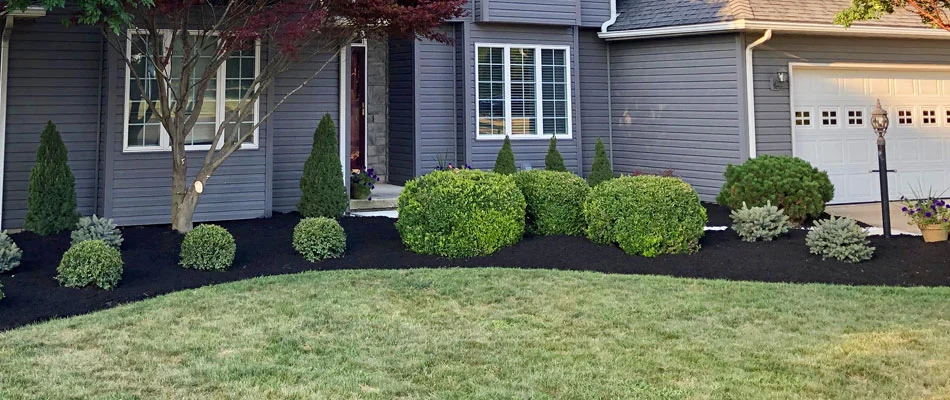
{"x":522,"y":91}
{"x":144,"y":132}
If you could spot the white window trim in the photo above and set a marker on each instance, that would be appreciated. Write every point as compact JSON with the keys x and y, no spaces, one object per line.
{"x":847,"y":118}
{"x":811,"y":118}
{"x":914,"y":118}
{"x":538,"y":92}
{"x":836,"y":118}
{"x":164,"y":144}
{"x":936,"y":116}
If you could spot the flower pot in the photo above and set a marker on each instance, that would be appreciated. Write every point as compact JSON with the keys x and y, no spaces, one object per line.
{"x":934,"y":233}
{"x":358,"y":192}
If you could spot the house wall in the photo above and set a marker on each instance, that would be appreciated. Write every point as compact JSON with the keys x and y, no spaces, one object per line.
{"x":402,"y":153}
{"x":594,"y":93}
{"x":772,"y":108}
{"x":377,"y":107}
{"x":586,"y":13}
{"x":295,"y":122}
{"x":436,"y":124}
{"x":677,"y":104}
{"x":481,"y":154}
{"x":53,"y":75}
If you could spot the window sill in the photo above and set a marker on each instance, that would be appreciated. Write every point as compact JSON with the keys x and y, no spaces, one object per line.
{"x":514,"y":138}
{"x":132,"y":150}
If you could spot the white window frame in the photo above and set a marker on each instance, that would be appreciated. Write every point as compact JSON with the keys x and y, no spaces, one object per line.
{"x":811,"y":118}
{"x":836,"y":118}
{"x":539,"y":98}
{"x":847,"y":118}
{"x":913,"y":115}
{"x":220,"y":89}
{"x":936,"y":117}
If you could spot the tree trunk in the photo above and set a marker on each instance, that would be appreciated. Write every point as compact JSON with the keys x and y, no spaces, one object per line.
{"x":184,"y":197}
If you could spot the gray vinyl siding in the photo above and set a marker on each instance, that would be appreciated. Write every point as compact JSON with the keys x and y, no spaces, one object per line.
{"x":772,"y":109}
{"x":53,"y":75}
{"x":437,"y":122}
{"x":295,"y":122}
{"x":484,"y":152}
{"x":402,"y":153}
{"x":594,"y":12}
{"x":594,"y":92}
{"x":549,"y":12}
{"x":676,"y":104}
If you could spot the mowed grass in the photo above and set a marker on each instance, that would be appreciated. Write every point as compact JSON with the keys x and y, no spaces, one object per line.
{"x":493,"y":334}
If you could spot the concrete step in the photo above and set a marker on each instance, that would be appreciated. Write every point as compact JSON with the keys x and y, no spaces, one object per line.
{"x":374,"y":204}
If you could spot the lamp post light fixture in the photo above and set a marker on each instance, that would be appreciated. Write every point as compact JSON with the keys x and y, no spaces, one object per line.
{"x":880,"y":122}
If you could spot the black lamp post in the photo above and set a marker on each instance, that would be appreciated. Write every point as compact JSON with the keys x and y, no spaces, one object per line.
{"x":879,"y":122}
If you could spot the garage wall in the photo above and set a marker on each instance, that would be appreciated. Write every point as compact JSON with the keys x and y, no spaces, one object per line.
{"x":772,"y":109}
{"x":676,"y":104}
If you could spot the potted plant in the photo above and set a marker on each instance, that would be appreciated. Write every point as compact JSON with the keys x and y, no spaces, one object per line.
{"x":931,"y":215}
{"x":362,"y":184}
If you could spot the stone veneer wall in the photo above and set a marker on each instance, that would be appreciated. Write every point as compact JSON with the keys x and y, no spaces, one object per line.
{"x":377,"y":108}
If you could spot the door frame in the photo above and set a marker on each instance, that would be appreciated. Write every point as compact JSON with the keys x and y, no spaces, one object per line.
{"x":345,"y":157}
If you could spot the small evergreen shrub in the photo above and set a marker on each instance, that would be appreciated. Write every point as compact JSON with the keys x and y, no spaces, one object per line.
{"x":553,"y":161}
{"x":505,"y":163}
{"x":208,"y":247}
{"x":601,"y":170}
{"x":91,"y":262}
{"x":323,"y":192}
{"x":841,"y":239}
{"x":759,"y":223}
{"x":646,"y":215}
{"x":461,"y":213}
{"x":789,"y":183}
{"x":51,"y":199}
{"x":319,"y":238}
{"x":95,"y":228}
{"x":555,"y":202}
{"x":10,"y":253}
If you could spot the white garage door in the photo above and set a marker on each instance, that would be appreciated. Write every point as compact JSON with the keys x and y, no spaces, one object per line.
{"x":831,"y":111}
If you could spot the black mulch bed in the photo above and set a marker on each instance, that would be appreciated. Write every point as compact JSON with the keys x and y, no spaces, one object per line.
{"x":264,"y":248}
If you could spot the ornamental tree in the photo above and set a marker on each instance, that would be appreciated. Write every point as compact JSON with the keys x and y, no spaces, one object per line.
{"x":171,"y":39}
{"x":932,"y":12}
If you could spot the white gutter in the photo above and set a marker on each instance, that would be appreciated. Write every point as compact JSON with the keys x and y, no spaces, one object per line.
{"x":613,"y":17}
{"x":750,"y":90}
{"x":779,"y":27}
{"x":31,"y":12}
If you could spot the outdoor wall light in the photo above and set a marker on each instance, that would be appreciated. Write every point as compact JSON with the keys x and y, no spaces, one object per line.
{"x":880,"y":122}
{"x":779,"y":80}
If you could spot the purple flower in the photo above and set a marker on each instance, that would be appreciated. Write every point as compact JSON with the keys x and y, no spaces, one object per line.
{"x":904,"y":209}
{"x":369,"y":199}
{"x":911,"y":212}
{"x":928,"y":214}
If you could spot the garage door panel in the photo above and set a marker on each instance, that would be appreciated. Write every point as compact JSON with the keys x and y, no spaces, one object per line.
{"x":918,"y":103}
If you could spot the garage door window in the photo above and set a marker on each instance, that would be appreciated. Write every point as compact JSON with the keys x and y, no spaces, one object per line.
{"x":829,"y":118}
{"x":855,"y":117}
{"x":803,"y":118}
{"x":905,"y":117}
{"x":928,"y":116}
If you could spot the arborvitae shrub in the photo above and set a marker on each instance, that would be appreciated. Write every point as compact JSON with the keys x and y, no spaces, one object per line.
{"x":51,"y":200}
{"x":92,"y":262}
{"x":10,"y":253}
{"x":323,"y":192}
{"x":553,"y":161}
{"x":95,"y":228}
{"x":319,"y":238}
{"x":208,"y":247}
{"x":505,"y":163}
{"x":601,"y":170}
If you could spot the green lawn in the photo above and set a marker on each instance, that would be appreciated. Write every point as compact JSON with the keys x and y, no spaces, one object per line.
{"x":491,"y":334}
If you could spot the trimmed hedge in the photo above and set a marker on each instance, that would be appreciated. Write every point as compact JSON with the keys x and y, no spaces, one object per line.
{"x":318,"y":239}
{"x":789,"y":183}
{"x":90,"y":262}
{"x":208,"y":247}
{"x":461,"y":213}
{"x":646,"y":215}
{"x":555,"y":202}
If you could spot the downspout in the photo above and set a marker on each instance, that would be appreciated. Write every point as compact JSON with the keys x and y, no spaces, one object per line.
{"x":610,"y":109}
{"x":750,"y":90}
{"x":4,"y":73}
{"x":102,"y":52}
{"x":613,"y":16}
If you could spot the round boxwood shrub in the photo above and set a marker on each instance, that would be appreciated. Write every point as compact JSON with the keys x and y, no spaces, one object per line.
{"x":646,"y":215}
{"x":788,"y":183}
{"x":319,"y":239}
{"x":461,"y":213}
{"x":90,"y":262}
{"x":555,"y":202}
{"x":208,"y":247}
